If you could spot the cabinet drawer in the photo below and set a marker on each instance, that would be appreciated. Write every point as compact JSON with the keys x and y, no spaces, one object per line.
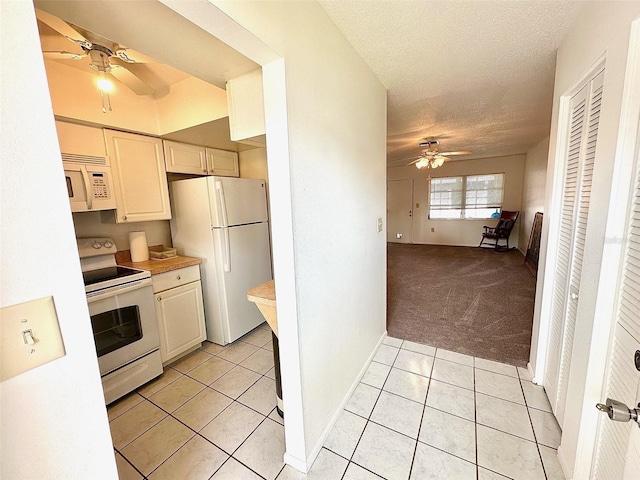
{"x":175,"y":278}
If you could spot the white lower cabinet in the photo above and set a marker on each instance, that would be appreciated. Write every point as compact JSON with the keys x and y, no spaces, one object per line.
{"x":179,"y":310}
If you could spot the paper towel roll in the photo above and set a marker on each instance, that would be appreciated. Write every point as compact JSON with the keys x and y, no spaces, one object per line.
{"x":138,"y":246}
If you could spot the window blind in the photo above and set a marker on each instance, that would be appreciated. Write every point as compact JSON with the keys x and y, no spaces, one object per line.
{"x":446,"y":197}
{"x":483,"y":195}
{"x":471,"y":196}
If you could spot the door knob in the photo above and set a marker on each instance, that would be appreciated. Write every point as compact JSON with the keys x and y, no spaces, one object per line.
{"x":619,"y":412}
{"x":574,"y":296}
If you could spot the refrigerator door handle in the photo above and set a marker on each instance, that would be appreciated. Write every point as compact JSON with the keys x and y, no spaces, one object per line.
{"x":223,"y":205}
{"x":226,"y":248}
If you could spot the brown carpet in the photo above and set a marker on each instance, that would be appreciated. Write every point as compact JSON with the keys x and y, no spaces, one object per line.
{"x":469,"y":300}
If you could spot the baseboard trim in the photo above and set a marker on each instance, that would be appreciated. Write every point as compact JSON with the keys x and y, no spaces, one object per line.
{"x":304,"y":467}
{"x":532,"y":375}
{"x":295,"y":462}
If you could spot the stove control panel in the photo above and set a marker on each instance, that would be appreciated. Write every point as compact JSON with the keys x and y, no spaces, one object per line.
{"x":94,"y":246}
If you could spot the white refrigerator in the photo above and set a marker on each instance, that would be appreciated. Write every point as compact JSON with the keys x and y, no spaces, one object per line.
{"x":223,"y":221}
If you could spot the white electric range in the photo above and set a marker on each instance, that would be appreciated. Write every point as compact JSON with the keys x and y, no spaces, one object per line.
{"x":123,"y":318}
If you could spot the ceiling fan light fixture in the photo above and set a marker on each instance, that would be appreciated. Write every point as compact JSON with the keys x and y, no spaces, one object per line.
{"x":105,"y":85}
{"x":423,"y":162}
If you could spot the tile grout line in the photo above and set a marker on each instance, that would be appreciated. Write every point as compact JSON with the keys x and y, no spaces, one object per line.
{"x":475,"y":417}
{"x":253,"y":431}
{"x":197,"y":433}
{"x":424,"y":407}
{"x":130,"y":463}
{"x":535,"y":436}
{"x":243,"y":442}
{"x":367,"y":419}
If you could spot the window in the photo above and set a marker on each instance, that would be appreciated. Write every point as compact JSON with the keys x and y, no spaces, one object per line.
{"x":466,"y":197}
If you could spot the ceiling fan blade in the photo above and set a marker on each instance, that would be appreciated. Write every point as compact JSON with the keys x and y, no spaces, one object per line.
{"x":63,"y":55}
{"x":63,"y":28}
{"x":413,"y":163}
{"x":461,"y":152}
{"x":130,"y":56}
{"x":130,"y":80}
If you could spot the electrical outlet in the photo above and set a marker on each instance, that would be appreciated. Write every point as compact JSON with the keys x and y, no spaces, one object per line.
{"x":398,"y":235}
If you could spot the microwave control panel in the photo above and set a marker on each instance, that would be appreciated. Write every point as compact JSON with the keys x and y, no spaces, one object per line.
{"x":99,"y":184}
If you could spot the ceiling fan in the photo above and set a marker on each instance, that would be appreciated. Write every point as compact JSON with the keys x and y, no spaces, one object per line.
{"x":432,"y":157}
{"x":105,"y":56}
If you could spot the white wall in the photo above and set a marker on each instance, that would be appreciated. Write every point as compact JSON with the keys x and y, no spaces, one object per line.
{"x":253,"y":163}
{"x":461,"y":232}
{"x":335,"y":130}
{"x":75,"y":95}
{"x":533,"y":188}
{"x":190,"y":102}
{"x":88,"y":224}
{"x":601,"y":29}
{"x":53,"y":418}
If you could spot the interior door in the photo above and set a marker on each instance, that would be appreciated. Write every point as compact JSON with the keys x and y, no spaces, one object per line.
{"x":399,"y":211}
{"x":576,"y":197}
{"x":618,"y":444}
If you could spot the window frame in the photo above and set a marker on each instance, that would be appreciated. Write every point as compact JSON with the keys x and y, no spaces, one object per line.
{"x":463,"y":206}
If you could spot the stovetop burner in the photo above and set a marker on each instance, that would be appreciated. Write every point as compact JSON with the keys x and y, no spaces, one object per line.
{"x":110,"y":273}
{"x":100,"y":270}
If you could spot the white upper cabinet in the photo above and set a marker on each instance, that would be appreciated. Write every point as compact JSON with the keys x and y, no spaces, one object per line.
{"x":245,"y":101}
{"x":80,"y":140}
{"x":140,"y":178}
{"x":185,"y":158}
{"x":197,"y":160}
{"x":222,"y":163}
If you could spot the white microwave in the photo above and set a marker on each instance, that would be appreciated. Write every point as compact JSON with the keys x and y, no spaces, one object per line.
{"x":89,"y":183}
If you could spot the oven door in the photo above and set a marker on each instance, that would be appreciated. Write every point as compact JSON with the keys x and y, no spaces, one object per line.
{"x":124,"y":325}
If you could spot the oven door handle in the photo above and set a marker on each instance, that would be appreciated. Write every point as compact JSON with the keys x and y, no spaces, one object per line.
{"x":117,"y":290}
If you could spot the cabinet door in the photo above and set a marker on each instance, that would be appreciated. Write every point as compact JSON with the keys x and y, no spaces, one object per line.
{"x":222,"y":163}
{"x":245,"y":99}
{"x":140,"y":178}
{"x":185,"y":158}
{"x":180,"y":315}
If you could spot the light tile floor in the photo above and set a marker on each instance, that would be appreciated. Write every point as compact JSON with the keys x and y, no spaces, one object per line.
{"x":419,"y":413}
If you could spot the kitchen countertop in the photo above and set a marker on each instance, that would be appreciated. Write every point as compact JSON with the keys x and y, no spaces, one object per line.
{"x":264,"y":296}
{"x":156,"y":266}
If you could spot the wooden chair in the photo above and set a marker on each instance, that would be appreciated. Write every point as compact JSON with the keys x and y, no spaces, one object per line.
{"x":501,"y":231}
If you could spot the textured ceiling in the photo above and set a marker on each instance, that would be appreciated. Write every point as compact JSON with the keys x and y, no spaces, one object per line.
{"x":476,"y":75}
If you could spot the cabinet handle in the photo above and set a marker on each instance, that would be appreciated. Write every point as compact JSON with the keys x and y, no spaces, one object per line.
{"x":159,"y":299}
{"x":178,"y":277}
{"x":124,"y":217}
{"x":204,"y":170}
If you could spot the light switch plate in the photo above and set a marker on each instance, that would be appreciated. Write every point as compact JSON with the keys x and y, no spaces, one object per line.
{"x":30,"y":336}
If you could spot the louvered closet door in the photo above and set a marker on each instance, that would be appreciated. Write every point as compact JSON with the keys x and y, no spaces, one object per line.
{"x":583,"y":135}
{"x":618,"y":444}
